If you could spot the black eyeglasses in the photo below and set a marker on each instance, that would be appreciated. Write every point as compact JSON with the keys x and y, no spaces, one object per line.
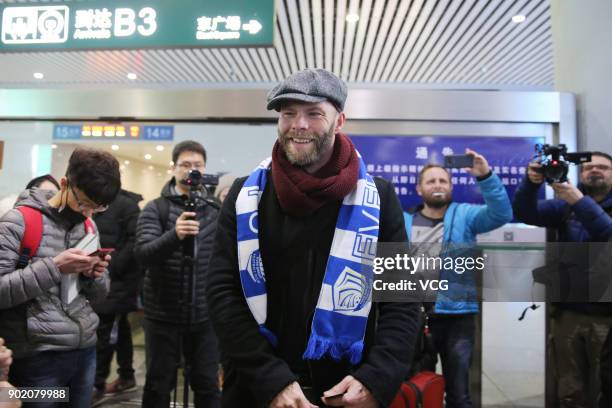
{"x":87,"y":207}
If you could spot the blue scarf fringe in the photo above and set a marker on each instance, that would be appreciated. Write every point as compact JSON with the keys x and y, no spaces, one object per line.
{"x":336,"y":349}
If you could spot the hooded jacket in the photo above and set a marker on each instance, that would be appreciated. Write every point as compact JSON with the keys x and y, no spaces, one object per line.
{"x":158,"y":248}
{"x":33,"y":317}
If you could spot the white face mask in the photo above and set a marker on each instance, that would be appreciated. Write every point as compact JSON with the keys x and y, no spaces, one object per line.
{"x":62,"y":203}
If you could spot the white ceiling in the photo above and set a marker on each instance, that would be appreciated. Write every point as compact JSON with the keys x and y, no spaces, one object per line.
{"x":134,"y":151}
{"x":440,"y":44}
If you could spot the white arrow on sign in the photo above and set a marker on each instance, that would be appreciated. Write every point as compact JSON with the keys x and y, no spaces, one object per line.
{"x":252,"y":27}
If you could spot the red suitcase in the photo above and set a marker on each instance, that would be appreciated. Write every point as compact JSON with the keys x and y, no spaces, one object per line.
{"x":424,"y":390}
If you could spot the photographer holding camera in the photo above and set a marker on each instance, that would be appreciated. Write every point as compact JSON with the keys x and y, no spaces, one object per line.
{"x":174,"y":237}
{"x":578,"y":214}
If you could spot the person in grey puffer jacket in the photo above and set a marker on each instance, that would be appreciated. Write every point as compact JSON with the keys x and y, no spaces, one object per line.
{"x":53,"y":341}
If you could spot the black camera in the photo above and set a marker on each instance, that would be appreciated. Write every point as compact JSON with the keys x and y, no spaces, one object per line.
{"x":195,"y":179}
{"x":555,"y":161}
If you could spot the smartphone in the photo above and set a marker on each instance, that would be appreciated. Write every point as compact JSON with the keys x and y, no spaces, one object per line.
{"x":335,"y":397}
{"x":458,"y":161}
{"x":102,"y":252}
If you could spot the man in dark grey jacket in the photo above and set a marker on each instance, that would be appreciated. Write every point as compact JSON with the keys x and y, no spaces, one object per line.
{"x":176,"y":317}
{"x":53,"y":337}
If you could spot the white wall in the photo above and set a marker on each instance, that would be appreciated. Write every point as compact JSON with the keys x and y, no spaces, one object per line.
{"x":583,"y":62}
{"x":19,"y":141}
{"x":143,"y":178}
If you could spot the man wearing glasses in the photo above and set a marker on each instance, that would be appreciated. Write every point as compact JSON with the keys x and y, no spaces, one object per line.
{"x":580,"y":321}
{"x":173,"y":326}
{"x":52,"y":336}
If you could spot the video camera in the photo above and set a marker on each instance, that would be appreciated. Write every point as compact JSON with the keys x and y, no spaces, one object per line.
{"x":195,"y":179}
{"x":555,"y":161}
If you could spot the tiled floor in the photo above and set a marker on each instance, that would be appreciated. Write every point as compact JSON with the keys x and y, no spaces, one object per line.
{"x":133,"y":399}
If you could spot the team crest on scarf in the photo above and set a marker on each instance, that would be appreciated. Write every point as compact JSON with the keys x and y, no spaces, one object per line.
{"x":255,"y":267}
{"x":351,"y":291}
{"x":345,"y":300}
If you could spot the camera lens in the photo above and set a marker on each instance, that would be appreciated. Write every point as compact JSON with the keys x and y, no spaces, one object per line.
{"x":194,"y":177}
{"x":555,"y":172}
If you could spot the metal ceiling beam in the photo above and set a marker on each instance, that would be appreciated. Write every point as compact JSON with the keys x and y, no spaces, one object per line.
{"x":239,"y":104}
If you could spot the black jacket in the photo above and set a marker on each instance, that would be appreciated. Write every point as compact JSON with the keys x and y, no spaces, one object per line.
{"x":117,"y":227}
{"x":166,"y":283}
{"x":295,"y":252}
{"x":572,"y":278}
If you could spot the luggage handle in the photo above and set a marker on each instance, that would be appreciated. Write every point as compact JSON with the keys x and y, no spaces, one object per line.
{"x":419,"y":395}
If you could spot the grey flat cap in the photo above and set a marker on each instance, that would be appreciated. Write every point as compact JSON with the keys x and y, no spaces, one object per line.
{"x":309,"y":85}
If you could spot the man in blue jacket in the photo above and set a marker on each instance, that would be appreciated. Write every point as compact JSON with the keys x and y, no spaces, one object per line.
{"x":578,"y":328}
{"x":441,"y":221}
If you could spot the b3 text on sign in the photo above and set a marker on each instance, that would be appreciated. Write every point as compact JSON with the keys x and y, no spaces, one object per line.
{"x":114,"y":24}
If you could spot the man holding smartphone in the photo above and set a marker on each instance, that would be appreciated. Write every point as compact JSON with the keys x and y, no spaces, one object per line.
{"x":438,"y":223}
{"x":53,"y":337}
{"x":173,"y":326}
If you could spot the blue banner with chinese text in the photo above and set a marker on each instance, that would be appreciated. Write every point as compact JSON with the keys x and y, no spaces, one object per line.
{"x":400,"y":158}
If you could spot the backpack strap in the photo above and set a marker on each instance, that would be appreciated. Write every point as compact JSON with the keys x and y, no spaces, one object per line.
{"x":89,"y":228}
{"x":32,"y":235}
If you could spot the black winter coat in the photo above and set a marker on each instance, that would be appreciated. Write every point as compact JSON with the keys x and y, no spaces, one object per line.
{"x":575,"y":273}
{"x":295,"y":252}
{"x":166,"y":283}
{"x":117,"y":227}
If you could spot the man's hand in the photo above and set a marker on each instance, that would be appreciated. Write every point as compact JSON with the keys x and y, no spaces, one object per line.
{"x":99,"y":267}
{"x":291,"y":397}
{"x":481,"y":166}
{"x":6,"y":356}
{"x":5,"y":385}
{"x":186,"y":226}
{"x":354,"y":395}
{"x":74,"y":260}
{"x":567,"y":192}
{"x":534,"y":172}
{"x":8,"y":404}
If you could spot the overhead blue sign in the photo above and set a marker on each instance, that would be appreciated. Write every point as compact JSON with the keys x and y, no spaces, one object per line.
{"x":67,"y":132}
{"x":158,"y":133}
{"x":113,"y":131}
{"x":400,"y":158}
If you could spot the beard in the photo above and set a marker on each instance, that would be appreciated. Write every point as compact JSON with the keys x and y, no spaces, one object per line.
{"x":438,"y":202}
{"x":320,"y":144}
{"x":596,"y":185}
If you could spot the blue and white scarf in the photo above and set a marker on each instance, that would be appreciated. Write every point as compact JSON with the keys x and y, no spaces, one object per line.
{"x":341,"y":315}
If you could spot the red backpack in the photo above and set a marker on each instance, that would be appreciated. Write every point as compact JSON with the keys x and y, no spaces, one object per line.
{"x":423,"y":390}
{"x":32,"y":234}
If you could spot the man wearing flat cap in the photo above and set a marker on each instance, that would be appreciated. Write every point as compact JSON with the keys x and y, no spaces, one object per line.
{"x":289,"y":287}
